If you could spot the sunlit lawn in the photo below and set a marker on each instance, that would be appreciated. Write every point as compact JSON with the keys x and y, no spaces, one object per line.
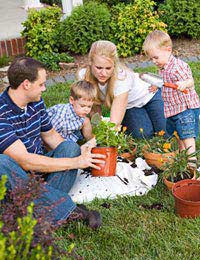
{"x":129,"y":231}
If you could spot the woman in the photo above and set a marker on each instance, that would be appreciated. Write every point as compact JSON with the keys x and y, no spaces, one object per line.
{"x":120,"y":89}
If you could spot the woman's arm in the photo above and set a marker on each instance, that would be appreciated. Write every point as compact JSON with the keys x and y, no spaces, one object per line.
{"x":118,"y":108}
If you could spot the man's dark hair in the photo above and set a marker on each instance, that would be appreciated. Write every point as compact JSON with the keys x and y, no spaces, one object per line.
{"x":23,"y":68}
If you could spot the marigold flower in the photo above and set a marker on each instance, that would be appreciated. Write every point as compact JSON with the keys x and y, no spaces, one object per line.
{"x":161,"y":133}
{"x":176,"y":135}
{"x":141,"y":130}
{"x":166,"y":146}
{"x":124,"y":129}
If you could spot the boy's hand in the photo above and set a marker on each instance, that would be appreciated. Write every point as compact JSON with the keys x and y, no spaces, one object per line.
{"x":181,"y":85}
{"x":153,"y":89}
{"x":89,"y":145}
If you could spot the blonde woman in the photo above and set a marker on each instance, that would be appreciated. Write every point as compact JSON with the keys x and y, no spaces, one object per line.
{"x":123,"y":92}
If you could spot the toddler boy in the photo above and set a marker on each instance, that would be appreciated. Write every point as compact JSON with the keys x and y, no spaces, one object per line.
{"x":181,"y":110}
{"x":71,"y":119}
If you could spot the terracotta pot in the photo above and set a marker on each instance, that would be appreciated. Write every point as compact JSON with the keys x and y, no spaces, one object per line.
{"x":157,"y":159}
{"x":109,"y":168}
{"x":187,"y":198}
{"x":170,"y":184}
{"x":129,"y":155}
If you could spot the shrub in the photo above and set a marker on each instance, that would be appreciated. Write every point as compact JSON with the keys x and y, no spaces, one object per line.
{"x":4,"y":61}
{"x":130,"y":25}
{"x":23,"y":236}
{"x":51,"y":60}
{"x":182,"y":17}
{"x":86,"y":24}
{"x":41,"y":31}
{"x":110,"y":3}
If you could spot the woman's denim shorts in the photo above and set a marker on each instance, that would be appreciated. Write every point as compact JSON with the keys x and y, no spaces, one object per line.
{"x":186,"y":124}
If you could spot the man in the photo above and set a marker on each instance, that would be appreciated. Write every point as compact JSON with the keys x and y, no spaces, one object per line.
{"x":24,"y":126}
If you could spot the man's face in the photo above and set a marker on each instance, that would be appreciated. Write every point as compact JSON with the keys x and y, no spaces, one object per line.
{"x":81,"y":106}
{"x":102,"y":68}
{"x":160,"y":56}
{"x":37,"y":87}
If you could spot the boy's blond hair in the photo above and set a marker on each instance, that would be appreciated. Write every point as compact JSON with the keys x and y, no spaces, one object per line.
{"x":156,"y":39}
{"x":83,"y":89}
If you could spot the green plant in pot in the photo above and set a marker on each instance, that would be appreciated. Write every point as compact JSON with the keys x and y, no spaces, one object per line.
{"x":110,"y":141}
{"x":179,"y":168}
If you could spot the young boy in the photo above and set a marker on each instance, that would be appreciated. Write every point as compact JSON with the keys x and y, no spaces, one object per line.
{"x":71,"y":119}
{"x":181,"y":110}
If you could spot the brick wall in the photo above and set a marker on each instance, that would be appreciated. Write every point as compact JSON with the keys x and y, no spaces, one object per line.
{"x":12,"y":47}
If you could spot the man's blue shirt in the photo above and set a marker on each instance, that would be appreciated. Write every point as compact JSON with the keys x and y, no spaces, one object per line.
{"x":24,"y":124}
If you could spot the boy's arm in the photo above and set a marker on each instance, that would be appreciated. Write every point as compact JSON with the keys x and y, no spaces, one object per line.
{"x":87,"y":129}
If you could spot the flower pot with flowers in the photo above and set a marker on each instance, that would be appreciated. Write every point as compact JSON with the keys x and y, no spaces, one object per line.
{"x":110,"y":141}
{"x":159,"y":149}
{"x":179,"y":168}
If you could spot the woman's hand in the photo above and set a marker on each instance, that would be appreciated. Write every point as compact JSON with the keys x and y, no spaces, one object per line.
{"x":153,"y":89}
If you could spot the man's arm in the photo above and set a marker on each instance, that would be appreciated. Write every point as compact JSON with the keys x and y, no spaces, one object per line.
{"x":40,"y":163}
{"x":52,"y":138}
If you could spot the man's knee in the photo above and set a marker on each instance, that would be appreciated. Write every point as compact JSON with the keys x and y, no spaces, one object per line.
{"x":69,"y":149}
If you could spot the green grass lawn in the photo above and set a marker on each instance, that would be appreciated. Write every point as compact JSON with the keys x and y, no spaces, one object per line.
{"x":130,"y":231}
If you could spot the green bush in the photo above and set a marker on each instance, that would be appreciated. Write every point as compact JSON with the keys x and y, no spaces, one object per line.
{"x":110,"y":2}
{"x":17,"y":243}
{"x":182,"y":17}
{"x":130,"y":25}
{"x":51,"y":60}
{"x":86,"y":24}
{"x":41,"y":31}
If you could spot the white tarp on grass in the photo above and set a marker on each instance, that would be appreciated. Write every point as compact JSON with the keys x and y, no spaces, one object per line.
{"x":128,"y":181}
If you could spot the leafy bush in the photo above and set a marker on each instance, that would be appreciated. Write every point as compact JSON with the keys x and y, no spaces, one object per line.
{"x":86,"y":24}
{"x":51,"y":60}
{"x":182,"y":17}
{"x":4,"y":61}
{"x":110,"y":2}
{"x":41,"y":31}
{"x":23,"y":236}
{"x":130,"y":25}
{"x":52,"y":2}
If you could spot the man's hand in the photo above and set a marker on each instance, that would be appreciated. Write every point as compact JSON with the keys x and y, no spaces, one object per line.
{"x":88,"y":159}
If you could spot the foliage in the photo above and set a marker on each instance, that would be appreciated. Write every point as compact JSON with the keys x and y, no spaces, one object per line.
{"x":130,"y":25}
{"x":107,"y":134}
{"x":17,"y":229}
{"x":52,"y":2}
{"x":160,"y":143}
{"x":110,"y":3}
{"x":182,"y":17}
{"x":4,"y":61}
{"x":86,"y":24}
{"x":41,"y":30}
{"x":178,"y":167}
{"x":51,"y":60}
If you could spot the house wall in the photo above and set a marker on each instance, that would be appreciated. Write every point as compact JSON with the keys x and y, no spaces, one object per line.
{"x":12,"y":47}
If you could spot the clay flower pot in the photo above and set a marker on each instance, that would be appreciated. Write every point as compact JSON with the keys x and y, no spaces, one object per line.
{"x":170,"y":184}
{"x":109,"y":168}
{"x":187,"y":198}
{"x":157,"y":159}
{"x":129,"y":155}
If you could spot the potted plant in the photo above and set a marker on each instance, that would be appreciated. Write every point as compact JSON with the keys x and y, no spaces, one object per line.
{"x":159,"y":149}
{"x":179,"y":168}
{"x":110,"y":141}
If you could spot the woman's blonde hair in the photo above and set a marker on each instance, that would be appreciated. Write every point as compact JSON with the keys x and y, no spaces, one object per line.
{"x":156,"y":39}
{"x":107,"y":50}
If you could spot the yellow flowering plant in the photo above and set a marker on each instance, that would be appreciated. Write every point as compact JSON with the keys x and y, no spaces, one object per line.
{"x":159,"y":143}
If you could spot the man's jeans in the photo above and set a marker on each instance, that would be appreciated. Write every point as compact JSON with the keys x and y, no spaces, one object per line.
{"x":150,"y":118}
{"x":57,"y":185}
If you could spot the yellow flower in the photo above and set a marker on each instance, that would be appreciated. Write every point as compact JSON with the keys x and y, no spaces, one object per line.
{"x":166,"y":146}
{"x":141,"y":130}
{"x":176,"y":135}
{"x":161,"y":133}
{"x":124,"y":129}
